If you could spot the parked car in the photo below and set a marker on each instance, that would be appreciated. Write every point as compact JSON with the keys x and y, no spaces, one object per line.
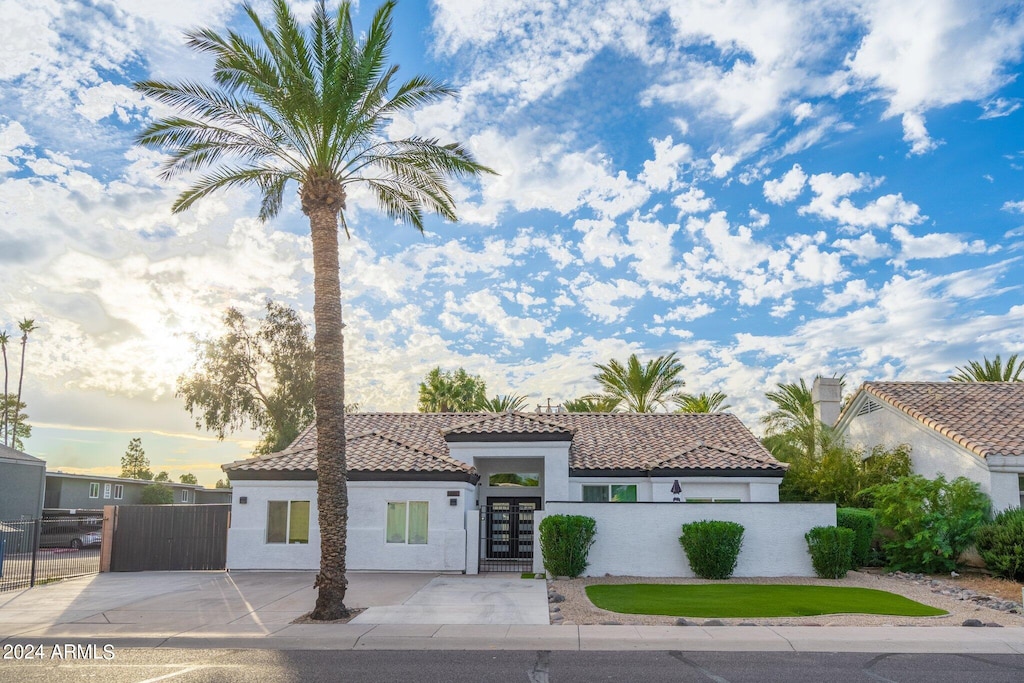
{"x":70,"y":536}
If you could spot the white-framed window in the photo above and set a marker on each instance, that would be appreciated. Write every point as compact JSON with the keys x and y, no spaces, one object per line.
{"x":609,"y":493}
{"x":118,"y":491}
{"x":106,"y":490}
{"x":184,"y":495}
{"x":288,"y":521}
{"x":407,"y":522}
{"x":94,"y":489}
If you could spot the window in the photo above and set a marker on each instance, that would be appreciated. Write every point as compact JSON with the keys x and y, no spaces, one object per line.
{"x":288,"y":521}
{"x":184,"y":495}
{"x":513,"y":479}
{"x":106,"y":490}
{"x":118,"y":491}
{"x":94,"y":489}
{"x":609,"y":493}
{"x":407,"y":522}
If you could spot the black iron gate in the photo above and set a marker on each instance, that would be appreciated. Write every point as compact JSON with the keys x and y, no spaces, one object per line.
{"x":38,"y":551}
{"x":506,"y":534}
{"x":169,"y":537}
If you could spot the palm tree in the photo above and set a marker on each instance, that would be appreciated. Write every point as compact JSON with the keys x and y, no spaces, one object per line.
{"x":702,"y":403}
{"x":592,"y":404}
{"x":990,"y":371}
{"x":310,"y":105}
{"x":792,"y":419}
{"x":642,"y":388}
{"x":446,"y":391}
{"x":27,"y":325}
{"x":502,"y":404}
{"x":4,"y":340}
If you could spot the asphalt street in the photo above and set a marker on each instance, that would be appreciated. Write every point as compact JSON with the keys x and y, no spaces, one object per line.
{"x":228,"y":666}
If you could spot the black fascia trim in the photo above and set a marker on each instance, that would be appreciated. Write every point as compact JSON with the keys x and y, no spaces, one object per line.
{"x":606,"y":473}
{"x":498,"y":437}
{"x":271,"y":475}
{"x":690,"y":472}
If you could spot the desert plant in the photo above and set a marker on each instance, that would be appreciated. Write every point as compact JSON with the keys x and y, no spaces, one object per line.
{"x":565,"y":541}
{"x":862,"y":523}
{"x":1001,"y":544}
{"x":831,"y":549}
{"x":712,"y":547}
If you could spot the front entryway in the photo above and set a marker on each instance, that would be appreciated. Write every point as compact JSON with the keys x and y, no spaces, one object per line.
{"x":507,"y":530}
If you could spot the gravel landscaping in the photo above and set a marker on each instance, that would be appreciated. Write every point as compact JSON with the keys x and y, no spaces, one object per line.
{"x":569,"y":604}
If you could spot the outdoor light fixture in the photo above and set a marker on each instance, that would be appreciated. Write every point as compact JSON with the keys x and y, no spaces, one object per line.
{"x":676,"y":490}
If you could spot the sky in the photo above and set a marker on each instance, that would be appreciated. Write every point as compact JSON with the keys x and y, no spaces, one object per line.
{"x":771,"y":190}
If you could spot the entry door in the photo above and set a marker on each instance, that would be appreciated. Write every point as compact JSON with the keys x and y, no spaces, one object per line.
{"x":510,"y":528}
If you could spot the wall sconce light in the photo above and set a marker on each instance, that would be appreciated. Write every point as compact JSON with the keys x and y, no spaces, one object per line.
{"x":676,"y":490}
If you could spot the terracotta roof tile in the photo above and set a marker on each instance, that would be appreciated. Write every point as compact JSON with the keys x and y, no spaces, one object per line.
{"x":388,"y":442}
{"x":986,"y":418}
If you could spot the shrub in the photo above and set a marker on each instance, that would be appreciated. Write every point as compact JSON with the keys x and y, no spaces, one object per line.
{"x":157,"y":494}
{"x":862,"y":523}
{"x":712,"y":547}
{"x":931,"y":521}
{"x":831,"y":550}
{"x":565,"y":541}
{"x":1001,"y":544}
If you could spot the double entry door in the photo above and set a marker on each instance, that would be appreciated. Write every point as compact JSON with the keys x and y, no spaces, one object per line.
{"x":508,"y":528}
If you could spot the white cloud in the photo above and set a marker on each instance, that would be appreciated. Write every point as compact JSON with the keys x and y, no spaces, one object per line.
{"x":802,"y":111}
{"x":787,"y":188}
{"x":601,"y":241}
{"x":722,"y":163}
{"x":758,"y":219}
{"x":651,"y":245}
{"x":660,"y":173}
{"x":855,"y":292}
{"x":831,"y":201}
{"x":688,"y":312}
{"x":692,"y":201}
{"x":932,"y":245}
{"x":865,"y":248}
{"x":916,"y":134}
{"x":600,"y":299}
{"x":999,"y":107}
{"x":781,"y":310}
{"x":1014,"y":207}
{"x":486,"y":307}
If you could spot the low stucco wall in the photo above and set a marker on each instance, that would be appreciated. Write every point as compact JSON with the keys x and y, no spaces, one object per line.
{"x":642,"y":539}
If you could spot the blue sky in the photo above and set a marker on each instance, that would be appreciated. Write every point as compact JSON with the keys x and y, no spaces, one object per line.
{"x":770,"y":189}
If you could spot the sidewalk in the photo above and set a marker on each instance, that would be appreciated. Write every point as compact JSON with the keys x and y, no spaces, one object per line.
{"x":255,"y":611}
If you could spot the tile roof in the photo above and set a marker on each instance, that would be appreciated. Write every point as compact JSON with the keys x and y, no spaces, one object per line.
{"x":415,"y":442}
{"x":986,"y":418}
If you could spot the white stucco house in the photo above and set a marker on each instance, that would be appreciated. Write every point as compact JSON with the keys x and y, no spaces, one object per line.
{"x":462,"y":492}
{"x":969,"y":429}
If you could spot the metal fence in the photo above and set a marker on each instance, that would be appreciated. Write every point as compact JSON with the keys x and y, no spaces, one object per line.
{"x":37,"y":551}
{"x":506,"y":534}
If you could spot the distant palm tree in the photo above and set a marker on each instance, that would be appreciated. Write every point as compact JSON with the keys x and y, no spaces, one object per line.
{"x":792,"y":419}
{"x":592,"y":404}
{"x":702,"y":403}
{"x":642,"y":388}
{"x":4,"y":340}
{"x":451,"y":392}
{"x":990,"y":371}
{"x":310,"y":105}
{"x":502,"y":404}
{"x":26,"y":326}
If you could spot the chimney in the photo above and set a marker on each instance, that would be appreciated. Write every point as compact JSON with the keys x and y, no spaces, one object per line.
{"x":827,"y":395}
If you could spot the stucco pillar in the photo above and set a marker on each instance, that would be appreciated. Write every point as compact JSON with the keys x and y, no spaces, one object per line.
{"x":827,"y":395}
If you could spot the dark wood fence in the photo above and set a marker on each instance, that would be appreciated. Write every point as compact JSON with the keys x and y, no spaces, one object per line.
{"x":169,"y":537}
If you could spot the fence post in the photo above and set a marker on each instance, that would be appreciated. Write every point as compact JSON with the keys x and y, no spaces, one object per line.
{"x":107,"y":542}
{"x":36,"y":524}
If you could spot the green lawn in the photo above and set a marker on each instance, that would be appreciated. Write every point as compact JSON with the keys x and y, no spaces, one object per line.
{"x":738,"y":600}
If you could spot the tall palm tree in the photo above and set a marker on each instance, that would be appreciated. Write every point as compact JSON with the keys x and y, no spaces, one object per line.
{"x":4,"y":340}
{"x":642,"y":388}
{"x":451,"y":392}
{"x":592,"y":404}
{"x":793,"y":415}
{"x":502,"y":404}
{"x":310,"y":104}
{"x":25,"y":326}
{"x":702,"y":403}
{"x":990,"y":371}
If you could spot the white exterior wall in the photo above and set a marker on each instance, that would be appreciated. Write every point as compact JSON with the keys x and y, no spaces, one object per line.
{"x":642,"y":539}
{"x":659,"y":489}
{"x":554,"y":455}
{"x":931,"y":453}
{"x":445,"y":549}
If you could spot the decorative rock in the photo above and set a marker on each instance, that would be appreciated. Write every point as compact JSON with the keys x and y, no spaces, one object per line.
{"x":611,"y":623}
{"x":713,"y":622}
{"x":973,"y":622}
{"x":993,"y":624}
{"x":556,"y":609}
{"x":682,"y":622}
{"x":557,"y":597}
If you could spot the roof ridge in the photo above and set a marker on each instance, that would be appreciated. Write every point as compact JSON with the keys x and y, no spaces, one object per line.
{"x":948,"y":432}
{"x":490,"y":417}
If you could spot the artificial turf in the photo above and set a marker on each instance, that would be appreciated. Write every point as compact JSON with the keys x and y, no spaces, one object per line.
{"x":739,"y":600}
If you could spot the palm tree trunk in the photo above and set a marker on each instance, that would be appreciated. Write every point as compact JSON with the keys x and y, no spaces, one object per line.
{"x":322,"y":200}
{"x":17,"y":402}
{"x":3,"y":419}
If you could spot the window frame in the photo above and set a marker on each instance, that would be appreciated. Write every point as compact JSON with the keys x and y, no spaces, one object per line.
{"x":407,"y":522}
{"x":118,"y":491}
{"x":184,"y":496}
{"x":288,"y":508}
{"x":608,"y":492}
{"x":94,"y":489}
{"x":107,"y":489}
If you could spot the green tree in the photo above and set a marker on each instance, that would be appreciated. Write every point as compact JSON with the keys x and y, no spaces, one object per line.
{"x":702,"y":403}
{"x":26,"y":326}
{"x":222,"y":484}
{"x":502,"y":404}
{"x":258,"y":375}
{"x":446,"y":391}
{"x":591,"y":404}
{"x":134,"y":463}
{"x":791,"y":422}
{"x":311,"y":105}
{"x":162,"y":476}
{"x":157,"y":494}
{"x":20,"y":428}
{"x":642,"y":388}
{"x":990,"y":371}
{"x":188,"y":478}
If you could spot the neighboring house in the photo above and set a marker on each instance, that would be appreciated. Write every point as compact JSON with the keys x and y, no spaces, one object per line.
{"x":90,"y":492}
{"x":417,"y":483}
{"x":21,"y":485}
{"x":969,"y":429}
{"x":206,"y":496}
